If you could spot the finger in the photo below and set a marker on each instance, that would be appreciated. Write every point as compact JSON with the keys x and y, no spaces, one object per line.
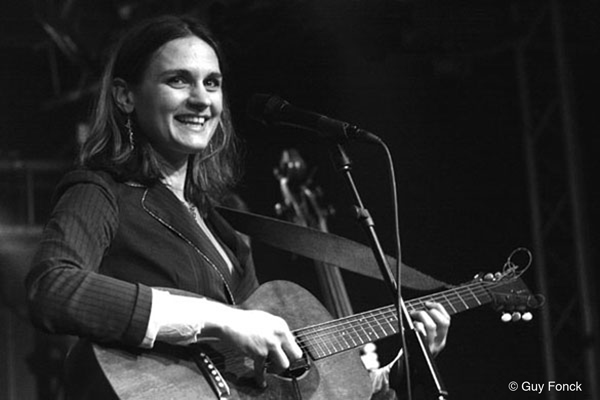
{"x":428,"y":323}
{"x":439,"y":309}
{"x":428,"y":328}
{"x":420,"y":328}
{"x":279,"y":362}
{"x":442,"y":324}
{"x":442,"y":319}
{"x":260,"y":372}
{"x":291,"y":348}
{"x":439,"y":317}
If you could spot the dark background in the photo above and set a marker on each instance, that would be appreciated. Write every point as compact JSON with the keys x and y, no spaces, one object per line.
{"x":436,"y":80}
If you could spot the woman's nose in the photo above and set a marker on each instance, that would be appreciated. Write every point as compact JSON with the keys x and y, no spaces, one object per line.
{"x":199,"y":97}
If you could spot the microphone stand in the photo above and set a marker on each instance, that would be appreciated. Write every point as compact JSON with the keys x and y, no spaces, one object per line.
{"x":417,"y":351}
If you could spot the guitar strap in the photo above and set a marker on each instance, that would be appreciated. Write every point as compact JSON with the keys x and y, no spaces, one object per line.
{"x":323,"y":247}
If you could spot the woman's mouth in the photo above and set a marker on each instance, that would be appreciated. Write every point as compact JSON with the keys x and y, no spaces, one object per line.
{"x":191,"y":121}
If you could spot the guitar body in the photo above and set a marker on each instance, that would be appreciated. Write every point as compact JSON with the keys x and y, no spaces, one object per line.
{"x":170,"y":373}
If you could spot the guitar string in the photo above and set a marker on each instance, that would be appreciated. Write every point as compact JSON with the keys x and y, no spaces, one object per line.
{"x":359,"y":330}
{"x":308,"y":339}
{"x":320,"y":333}
{"x":329,"y":331}
{"x":448,"y":297}
{"x":328,"y":334}
{"x":382,"y":320}
{"x":318,"y":345}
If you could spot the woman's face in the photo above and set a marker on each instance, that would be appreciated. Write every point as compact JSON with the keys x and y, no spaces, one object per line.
{"x":179,"y":101}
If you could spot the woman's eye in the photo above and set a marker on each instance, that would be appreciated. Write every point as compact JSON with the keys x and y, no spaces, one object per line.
{"x":177,"y":81}
{"x":213,"y":83}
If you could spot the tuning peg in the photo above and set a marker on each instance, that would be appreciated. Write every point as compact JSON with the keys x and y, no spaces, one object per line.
{"x":280,"y":209}
{"x":488,"y":277}
{"x":527,"y":316}
{"x":506,"y":317}
{"x":516,"y":316}
{"x":330,"y":211}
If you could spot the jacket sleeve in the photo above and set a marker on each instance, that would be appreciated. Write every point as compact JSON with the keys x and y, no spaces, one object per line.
{"x":66,"y":294}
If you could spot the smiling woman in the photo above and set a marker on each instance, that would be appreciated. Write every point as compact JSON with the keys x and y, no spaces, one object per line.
{"x":138,"y":213}
{"x":137,"y":217}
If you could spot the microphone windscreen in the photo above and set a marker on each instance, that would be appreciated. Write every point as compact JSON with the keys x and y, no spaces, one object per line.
{"x":265,"y":108}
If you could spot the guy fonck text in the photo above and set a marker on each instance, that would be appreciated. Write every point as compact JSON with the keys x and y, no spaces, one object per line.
{"x":550,"y":386}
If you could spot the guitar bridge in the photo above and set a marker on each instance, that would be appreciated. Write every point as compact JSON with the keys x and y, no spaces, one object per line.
{"x":212,"y":375}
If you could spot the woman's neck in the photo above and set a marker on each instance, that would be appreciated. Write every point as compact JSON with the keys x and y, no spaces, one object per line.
{"x":174,"y":179}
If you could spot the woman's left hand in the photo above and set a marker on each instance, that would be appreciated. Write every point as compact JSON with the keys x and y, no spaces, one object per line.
{"x":433,"y":323}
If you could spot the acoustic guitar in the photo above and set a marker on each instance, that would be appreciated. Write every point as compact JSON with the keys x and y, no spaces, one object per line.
{"x":331,"y":367}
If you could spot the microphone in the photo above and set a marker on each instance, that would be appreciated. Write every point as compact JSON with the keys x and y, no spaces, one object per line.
{"x":272,"y":109}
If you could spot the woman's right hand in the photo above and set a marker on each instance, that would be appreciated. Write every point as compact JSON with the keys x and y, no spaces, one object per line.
{"x":262,"y":336}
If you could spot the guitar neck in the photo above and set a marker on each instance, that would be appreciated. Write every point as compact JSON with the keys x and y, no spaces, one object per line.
{"x":343,"y":334}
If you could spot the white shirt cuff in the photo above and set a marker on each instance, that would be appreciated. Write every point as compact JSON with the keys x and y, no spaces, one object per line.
{"x":174,"y":319}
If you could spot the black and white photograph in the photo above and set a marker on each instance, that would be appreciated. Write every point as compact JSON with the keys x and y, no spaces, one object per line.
{"x":299,"y":199}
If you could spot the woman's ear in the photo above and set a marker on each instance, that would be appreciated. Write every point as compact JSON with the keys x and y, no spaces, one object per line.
{"x":123,"y":96}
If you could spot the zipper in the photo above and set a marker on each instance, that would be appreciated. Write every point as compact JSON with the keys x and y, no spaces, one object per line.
{"x":204,"y":256}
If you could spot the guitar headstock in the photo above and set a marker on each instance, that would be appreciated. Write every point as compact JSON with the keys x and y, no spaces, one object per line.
{"x":509,"y":294}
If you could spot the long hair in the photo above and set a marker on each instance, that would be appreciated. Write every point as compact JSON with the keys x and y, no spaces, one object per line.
{"x":211,"y":172}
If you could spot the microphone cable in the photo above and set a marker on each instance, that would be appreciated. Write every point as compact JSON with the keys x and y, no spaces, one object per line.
{"x":398,"y":249}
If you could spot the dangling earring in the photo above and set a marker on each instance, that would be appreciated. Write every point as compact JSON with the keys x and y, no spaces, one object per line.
{"x":130,"y":132}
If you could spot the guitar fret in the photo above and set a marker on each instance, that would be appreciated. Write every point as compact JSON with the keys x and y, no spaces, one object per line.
{"x":381,"y":328}
{"x":462,"y":301}
{"x":449,"y":303}
{"x":470,"y":297}
{"x":330,"y":345}
{"x":392,"y":321}
{"x":373,"y":335}
{"x":358,"y":335}
{"x":344,"y":335}
{"x":351,"y":335}
{"x":384,"y":324}
{"x":315,"y":345}
{"x":362,"y":335}
{"x":474,"y":295}
{"x":335,"y":339}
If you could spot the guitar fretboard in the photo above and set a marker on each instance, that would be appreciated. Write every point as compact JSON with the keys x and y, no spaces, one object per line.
{"x":343,"y":334}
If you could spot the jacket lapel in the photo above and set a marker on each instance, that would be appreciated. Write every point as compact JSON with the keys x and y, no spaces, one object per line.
{"x":164,"y":206}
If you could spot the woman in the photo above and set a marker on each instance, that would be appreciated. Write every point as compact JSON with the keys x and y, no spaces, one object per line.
{"x":137,"y":215}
